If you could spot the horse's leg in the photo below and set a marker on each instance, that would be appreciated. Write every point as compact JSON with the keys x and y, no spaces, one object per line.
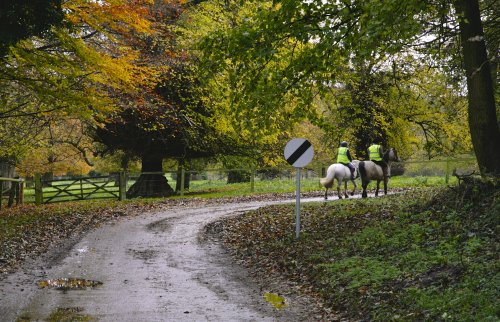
{"x":354,"y":188}
{"x":338,"y":189}
{"x":345,"y":189}
{"x":378,"y":187}
{"x":364,"y":185}
{"x":385,"y":185}
{"x":326,"y":193}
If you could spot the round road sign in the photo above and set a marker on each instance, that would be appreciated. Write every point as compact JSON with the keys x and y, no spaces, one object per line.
{"x":299,"y":152}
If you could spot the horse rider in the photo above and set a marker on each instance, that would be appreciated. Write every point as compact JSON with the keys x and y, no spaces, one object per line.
{"x":375,"y":153}
{"x":344,"y":157}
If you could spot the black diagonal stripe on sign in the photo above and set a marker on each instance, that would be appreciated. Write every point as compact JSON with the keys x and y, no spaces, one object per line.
{"x":298,"y":153}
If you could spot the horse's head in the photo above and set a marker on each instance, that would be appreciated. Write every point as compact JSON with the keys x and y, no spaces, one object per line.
{"x":396,"y":156}
{"x":391,"y":155}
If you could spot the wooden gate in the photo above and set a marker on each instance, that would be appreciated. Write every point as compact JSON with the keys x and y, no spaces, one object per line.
{"x":85,"y":188}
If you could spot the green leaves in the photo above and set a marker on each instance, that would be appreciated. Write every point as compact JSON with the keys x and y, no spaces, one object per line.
{"x":245,"y":67}
{"x":270,"y":63}
{"x":278,"y":301}
{"x":73,"y":70}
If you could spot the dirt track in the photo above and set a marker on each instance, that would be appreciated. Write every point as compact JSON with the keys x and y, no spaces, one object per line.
{"x":153,"y":267}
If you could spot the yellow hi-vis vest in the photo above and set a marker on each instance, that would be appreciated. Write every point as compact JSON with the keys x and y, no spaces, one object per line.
{"x":374,"y":151}
{"x":342,"y":156}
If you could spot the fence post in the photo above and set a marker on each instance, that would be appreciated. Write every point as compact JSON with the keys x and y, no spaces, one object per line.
{"x":18,"y":191}
{"x":447,"y":178}
{"x":81,"y":188}
{"x":252,"y":180}
{"x":38,"y":189}
{"x":122,"y":186}
{"x":320,"y":175}
{"x":20,"y":196}
{"x":183,"y":178}
{"x":12,"y":194}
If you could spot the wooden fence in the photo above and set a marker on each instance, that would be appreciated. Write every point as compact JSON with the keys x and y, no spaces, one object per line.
{"x":115,"y":186}
{"x":14,"y":194}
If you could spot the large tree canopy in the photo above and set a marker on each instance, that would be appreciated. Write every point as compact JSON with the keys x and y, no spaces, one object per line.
{"x":167,"y":118}
{"x":299,"y":48}
{"x":356,"y":69}
{"x":233,"y":82}
{"x":166,"y":122}
{"x":72,"y":70}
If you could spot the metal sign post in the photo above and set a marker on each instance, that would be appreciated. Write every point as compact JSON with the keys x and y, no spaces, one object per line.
{"x":297,"y":204}
{"x":298,"y":152}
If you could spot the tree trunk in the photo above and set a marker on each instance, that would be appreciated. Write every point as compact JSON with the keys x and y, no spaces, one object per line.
{"x":149,"y":184}
{"x":7,"y":170}
{"x":483,"y":123}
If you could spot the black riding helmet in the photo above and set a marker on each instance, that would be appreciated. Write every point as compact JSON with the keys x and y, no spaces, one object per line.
{"x":344,"y":143}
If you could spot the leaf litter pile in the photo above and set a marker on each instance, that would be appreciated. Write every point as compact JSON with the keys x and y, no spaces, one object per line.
{"x":427,"y":254}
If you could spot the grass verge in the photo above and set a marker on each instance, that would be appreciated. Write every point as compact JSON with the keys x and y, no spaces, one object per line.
{"x":427,"y":254}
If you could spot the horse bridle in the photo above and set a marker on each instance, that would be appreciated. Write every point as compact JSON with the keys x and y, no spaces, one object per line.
{"x":387,"y":153}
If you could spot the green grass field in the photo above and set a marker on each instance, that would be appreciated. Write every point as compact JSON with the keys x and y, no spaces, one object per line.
{"x":213,"y":182}
{"x":219,"y":187}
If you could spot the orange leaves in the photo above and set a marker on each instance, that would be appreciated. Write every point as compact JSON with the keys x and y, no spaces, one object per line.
{"x":130,"y":16}
{"x":108,"y":36}
{"x":120,"y":16}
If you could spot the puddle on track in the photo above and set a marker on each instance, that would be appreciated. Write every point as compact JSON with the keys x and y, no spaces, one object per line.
{"x":60,"y":314}
{"x":65,"y":284}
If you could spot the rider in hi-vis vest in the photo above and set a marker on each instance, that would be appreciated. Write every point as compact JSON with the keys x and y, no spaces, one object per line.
{"x":344,"y":157}
{"x":375,"y":153}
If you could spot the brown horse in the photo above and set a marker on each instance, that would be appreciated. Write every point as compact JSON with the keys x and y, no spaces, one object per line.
{"x":369,"y":170}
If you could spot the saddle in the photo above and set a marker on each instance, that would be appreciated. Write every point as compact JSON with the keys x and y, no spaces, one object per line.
{"x":387,"y":172}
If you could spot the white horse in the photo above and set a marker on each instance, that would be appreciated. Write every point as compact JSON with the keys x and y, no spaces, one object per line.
{"x":341,"y":173}
{"x":369,"y":170}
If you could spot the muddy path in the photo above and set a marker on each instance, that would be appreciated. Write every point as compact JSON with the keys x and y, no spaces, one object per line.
{"x":153,"y":267}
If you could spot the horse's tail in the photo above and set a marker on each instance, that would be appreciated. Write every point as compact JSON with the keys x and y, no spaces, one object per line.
{"x":355,"y":163}
{"x":362,"y":170}
{"x":327,"y":182}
